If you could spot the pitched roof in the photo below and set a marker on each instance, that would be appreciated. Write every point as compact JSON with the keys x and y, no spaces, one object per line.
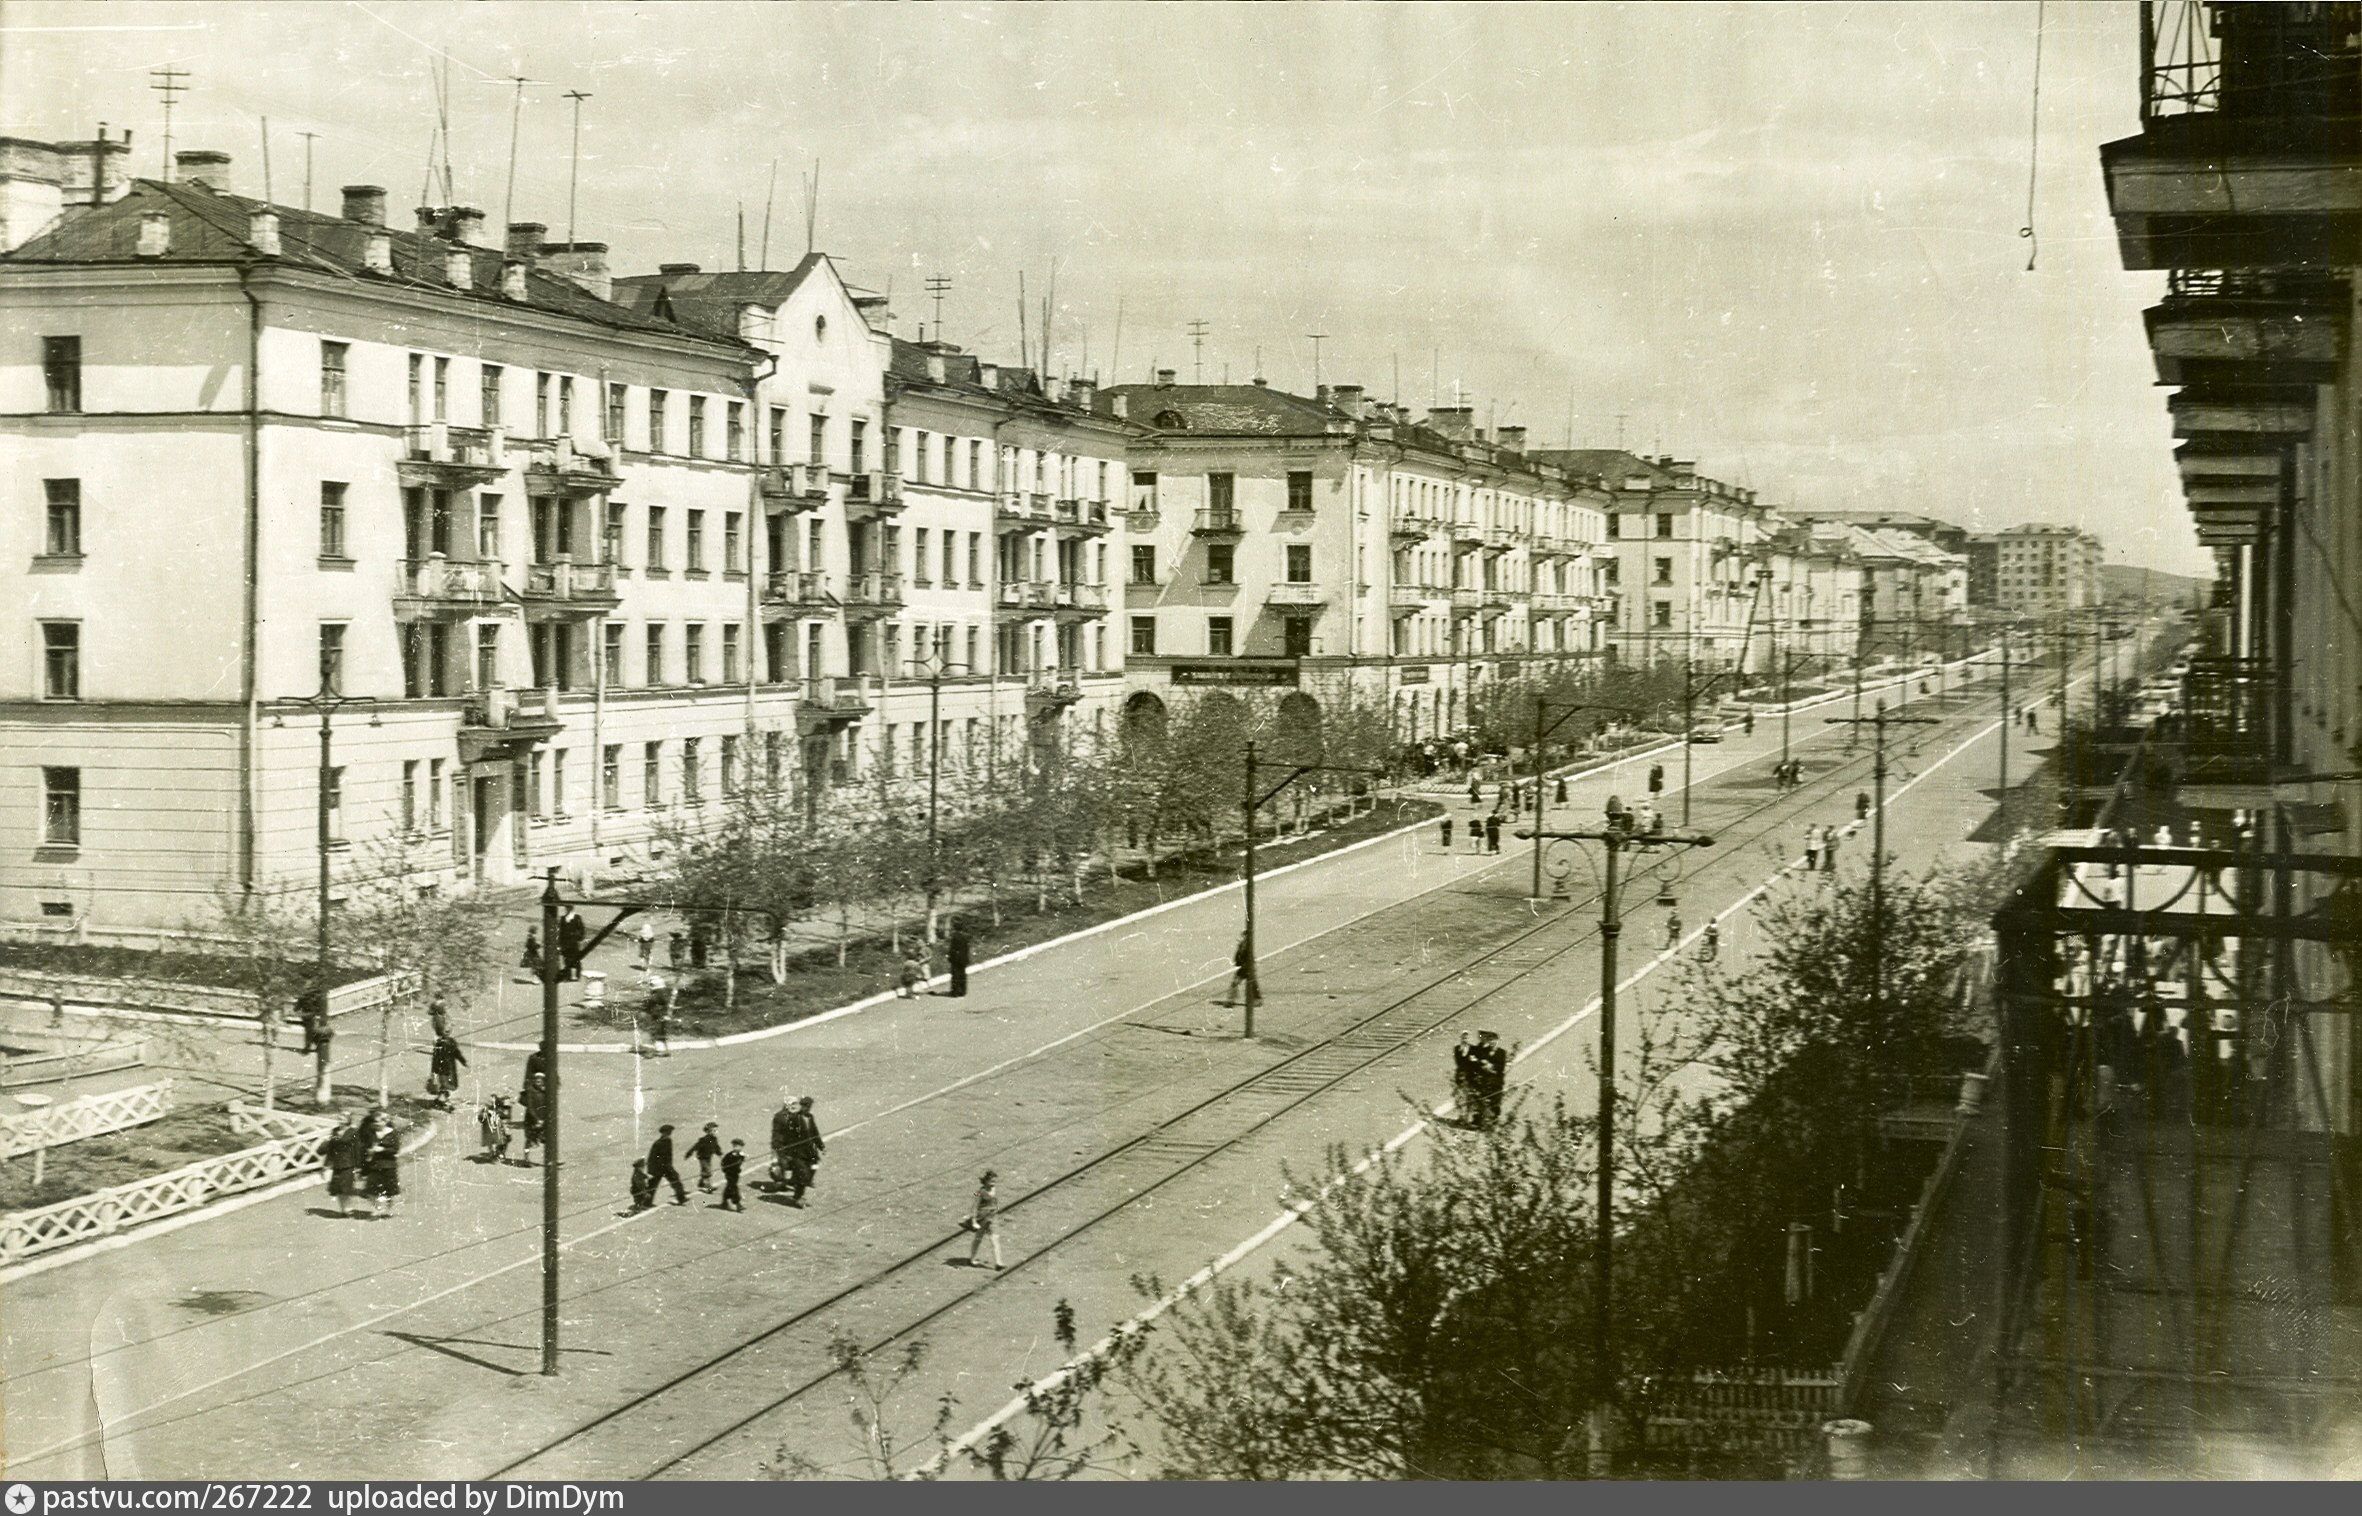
{"x":1612,"y":464}
{"x":1253,"y":410}
{"x":711,"y":302}
{"x":209,"y":227}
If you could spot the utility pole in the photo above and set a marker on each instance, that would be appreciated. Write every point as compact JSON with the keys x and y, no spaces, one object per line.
{"x":1542,"y":732}
{"x":1617,"y":835}
{"x":574,"y":170}
{"x":552,"y":966}
{"x":307,"y":167}
{"x":934,"y":669}
{"x":330,"y":699}
{"x":1878,"y":722}
{"x":167,"y":84}
{"x":1251,"y":801}
{"x":938,"y":285}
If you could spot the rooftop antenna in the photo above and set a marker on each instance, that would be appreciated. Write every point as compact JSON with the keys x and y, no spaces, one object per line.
{"x":266,"y":160}
{"x":812,"y":209}
{"x":938,"y":285}
{"x":1570,"y":416}
{"x":1258,"y":360}
{"x":769,"y":195}
{"x":508,"y":210}
{"x":742,"y":236}
{"x":1022,"y":348}
{"x":1621,"y":418}
{"x":1197,"y":335}
{"x":1115,"y":362}
{"x":1397,"y":377}
{"x":168,"y":84}
{"x":307,"y":169}
{"x":574,"y":170}
{"x":1317,"y":339}
{"x":1434,"y":375}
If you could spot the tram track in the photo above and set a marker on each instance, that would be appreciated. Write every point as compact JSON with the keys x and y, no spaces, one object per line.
{"x":1141,"y":1165}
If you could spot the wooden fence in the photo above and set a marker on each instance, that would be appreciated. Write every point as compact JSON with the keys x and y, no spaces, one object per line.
{"x":1766,"y":1411}
{"x":103,"y":1213}
{"x":57,"y":1125}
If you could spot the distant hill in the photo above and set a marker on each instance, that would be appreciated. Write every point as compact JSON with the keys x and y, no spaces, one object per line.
{"x":2122,"y":581}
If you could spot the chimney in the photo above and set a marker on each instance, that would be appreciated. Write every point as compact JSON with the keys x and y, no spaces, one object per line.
{"x":1348,"y":398}
{"x":512,"y":281}
{"x":377,"y":251}
{"x":466,"y":226}
{"x":989,"y":375}
{"x":1320,"y":392}
{"x":524,"y":240}
{"x":200,"y":166}
{"x":31,"y":193}
{"x":936,"y":368}
{"x":1165,"y":378}
{"x":1079,"y":393}
{"x":262,"y":230}
{"x":1120,"y":405}
{"x":675,"y":270}
{"x":459,"y":267}
{"x":155,"y":234}
{"x":583,"y":264}
{"x":1451,"y":420}
{"x":364,"y":203}
{"x":1511,"y":437}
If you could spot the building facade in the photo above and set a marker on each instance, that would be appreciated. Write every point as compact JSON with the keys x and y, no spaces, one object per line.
{"x":2042,"y":569}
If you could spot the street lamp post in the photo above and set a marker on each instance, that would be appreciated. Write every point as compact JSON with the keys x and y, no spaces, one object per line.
{"x":1617,"y":835}
{"x":1878,"y":723}
{"x":330,"y":699}
{"x":1251,"y":801}
{"x":935,"y":668}
{"x":1542,"y":732}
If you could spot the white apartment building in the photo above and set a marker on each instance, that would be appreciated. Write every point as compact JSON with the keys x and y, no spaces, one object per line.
{"x":2042,"y":569}
{"x":1331,"y":543}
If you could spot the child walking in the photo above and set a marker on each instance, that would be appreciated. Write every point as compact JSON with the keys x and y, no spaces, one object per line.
{"x":983,"y":1218}
{"x":707,"y":1150}
{"x":643,"y":1186}
{"x":733,"y":1162}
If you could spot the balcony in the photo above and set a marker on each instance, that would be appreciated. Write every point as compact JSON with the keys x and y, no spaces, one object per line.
{"x":569,"y":589}
{"x":561,"y":467}
{"x":1024,"y":599}
{"x":438,"y":587}
{"x":2200,"y":416}
{"x":1080,"y":518}
{"x":1467,"y":533}
{"x":1048,"y":697}
{"x":1217,"y":523}
{"x":793,"y":592}
{"x":2240,"y":333}
{"x":1015,"y":509}
{"x":500,"y":723}
{"x":441,"y":456}
{"x":1297,"y":595}
{"x":1499,"y":539}
{"x":2250,"y":151}
{"x":876,"y":493}
{"x":1409,"y":597}
{"x":1080,"y":600}
{"x":1465,"y":602}
{"x":1407,"y":527}
{"x":835,"y":699}
{"x":873,"y":594}
{"x":795,"y":486}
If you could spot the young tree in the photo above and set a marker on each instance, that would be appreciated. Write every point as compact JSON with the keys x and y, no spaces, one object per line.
{"x":254,"y":936}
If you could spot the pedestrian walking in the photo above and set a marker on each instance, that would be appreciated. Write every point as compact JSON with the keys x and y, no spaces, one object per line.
{"x":442,"y":1070}
{"x":2034,"y":723}
{"x":492,"y":1125}
{"x":438,"y":1016}
{"x":1672,"y":930}
{"x":955,"y":955}
{"x":1812,"y":848}
{"x":1828,"y":850}
{"x":531,"y":961}
{"x":643,"y":1187}
{"x":571,"y":933}
{"x":1490,"y":1069}
{"x":1447,"y":833}
{"x":1242,"y":975}
{"x":1656,"y":779}
{"x":646,"y":939}
{"x":1861,"y":805}
{"x":1464,"y":1078}
{"x":338,"y":1153}
{"x":1710,"y":945}
{"x":1475,"y":791}
{"x":383,"y":1164}
{"x":707,"y":1151}
{"x":984,"y":1221}
{"x":1749,"y":724}
{"x":533,"y":1099}
{"x":733,"y":1164}
{"x":1560,"y":797}
{"x":660,"y":1165}
{"x":913,"y":972}
{"x":663,"y":1003}
{"x":800,"y":1147}
{"x":1492,"y":832}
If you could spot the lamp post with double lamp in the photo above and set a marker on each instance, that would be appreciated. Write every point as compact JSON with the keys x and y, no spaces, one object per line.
{"x":1252,"y":800}
{"x":934,"y":669}
{"x":1542,"y":730}
{"x":330,"y":699}
{"x":1618,"y":833}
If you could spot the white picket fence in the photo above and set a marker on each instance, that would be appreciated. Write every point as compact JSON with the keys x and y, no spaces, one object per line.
{"x":56,"y":1125}
{"x":85,"y":1218}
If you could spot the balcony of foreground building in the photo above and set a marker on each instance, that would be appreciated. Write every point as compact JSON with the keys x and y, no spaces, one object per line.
{"x":2236,"y":331}
{"x":871,"y":594}
{"x":874,"y":495}
{"x":2225,"y":732}
{"x":1024,"y":599}
{"x":1408,"y":528}
{"x":1049,"y":695}
{"x":1079,"y":518}
{"x":498,"y":722}
{"x":797,"y":592}
{"x":563,"y":590}
{"x":439,"y":588}
{"x":1403,"y":599}
{"x":1466,"y":602}
{"x":1020,"y":510}
{"x":2217,"y":413}
{"x":794,"y":487}
{"x":562,"y":467}
{"x":438,"y":455}
{"x":2250,"y":148}
{"x":1080,"y":602}
{"x":1217,"y":522}
{"x":1308,"y":596}
{"x":830,"y":700}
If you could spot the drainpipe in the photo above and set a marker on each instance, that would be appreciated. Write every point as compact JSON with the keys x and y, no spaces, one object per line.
{"x":598,"y":650}
{"x":249,"y":797}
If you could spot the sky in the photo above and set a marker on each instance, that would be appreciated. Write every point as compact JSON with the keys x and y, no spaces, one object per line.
{"x":1782,"y":240}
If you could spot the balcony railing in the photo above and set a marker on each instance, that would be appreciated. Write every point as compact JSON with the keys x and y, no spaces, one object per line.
{"x":1467,"y":600}
{"x":570,"y":581}
{"x":1409,"y":597}
{"x":840,"y":695}
{"x":461,"y":446}
{"x":800,"y":486}
{"x":1027,"y":595}
{"x":1410,"y":525}
{"x":1082,"y":597}
{"x":559,"y":467}
{"x":873,"y":590}
{"x":1297,"y":594}
{"x":497,"y":708}
{"x":1016,"y":507}
{"x":798,"y":587}
{"x":2294,"y":62}
{"x":1213,"y":522}
{"x":877,"y":492}
{"x":457,"y":582}
{"x":1467,"y":531}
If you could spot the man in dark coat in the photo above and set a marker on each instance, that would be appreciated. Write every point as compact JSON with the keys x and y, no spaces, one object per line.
{"x":1492,"y":832}
{"x":802,"y":1150}
{"x":571,"y":932}
{"x":1656,"y":778}
{"x":660,"y":1165}
{"x":707,"y":1150}
{"x":957,"y":956}
{"x":1490,"y":1063}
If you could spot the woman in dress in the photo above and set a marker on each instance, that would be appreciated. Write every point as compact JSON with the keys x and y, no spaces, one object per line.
{"x":443,"y":1066}
{"x":338,"y":1153}
{"x":383,"y":1162}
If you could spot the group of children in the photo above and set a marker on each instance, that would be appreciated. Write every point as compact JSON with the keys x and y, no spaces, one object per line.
{"x":657,"y":1168}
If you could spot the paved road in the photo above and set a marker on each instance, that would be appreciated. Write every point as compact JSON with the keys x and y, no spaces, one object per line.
{"x":280,"y":1340}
